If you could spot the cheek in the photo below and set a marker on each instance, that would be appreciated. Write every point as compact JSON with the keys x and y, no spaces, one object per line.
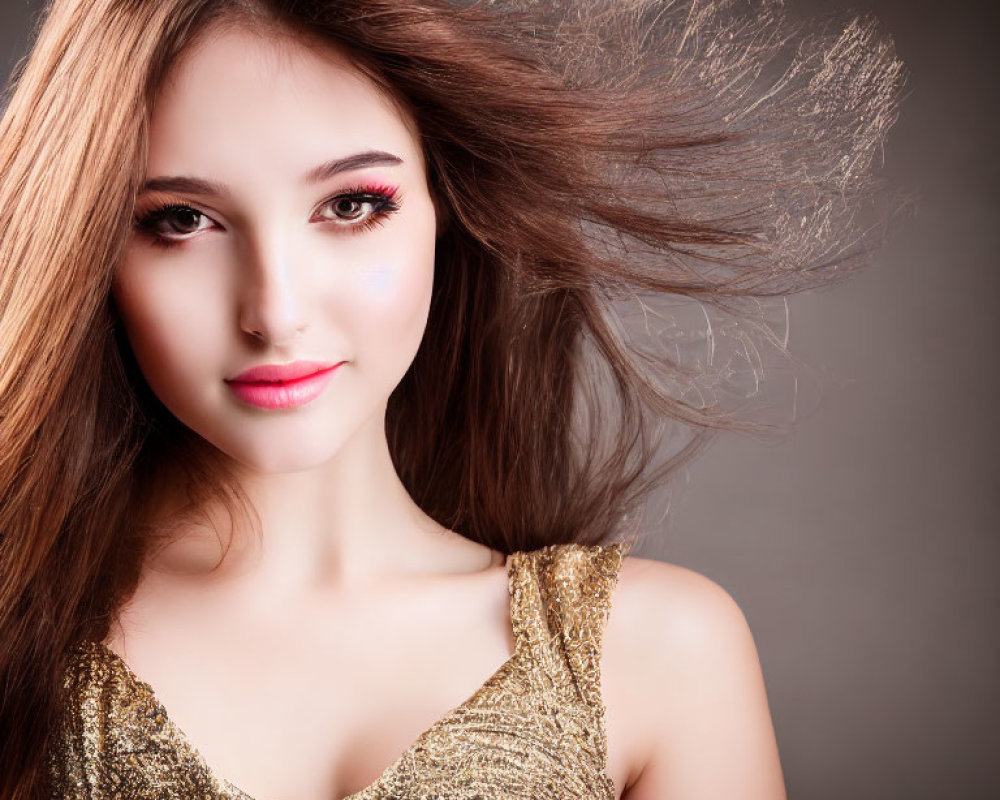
{"x":394,"y":286}
{"x":393,"y":299}
{"x":168,"y":327}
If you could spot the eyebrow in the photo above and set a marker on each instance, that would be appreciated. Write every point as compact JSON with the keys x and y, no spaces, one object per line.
{"x":326,"y":170}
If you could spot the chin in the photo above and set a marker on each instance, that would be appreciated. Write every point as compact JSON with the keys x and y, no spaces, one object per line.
{"x":286,"y":456}
{"x":293,"y":444}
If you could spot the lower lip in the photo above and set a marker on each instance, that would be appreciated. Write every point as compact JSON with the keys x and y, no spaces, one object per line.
{"x":288,"y":394}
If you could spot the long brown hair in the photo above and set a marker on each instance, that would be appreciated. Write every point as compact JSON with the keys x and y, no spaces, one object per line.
{"x":590,"y":155}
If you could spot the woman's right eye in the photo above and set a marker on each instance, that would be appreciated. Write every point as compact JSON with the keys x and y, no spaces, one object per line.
{"x":171,"y":223}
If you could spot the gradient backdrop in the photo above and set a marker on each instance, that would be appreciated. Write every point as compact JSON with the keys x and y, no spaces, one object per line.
{"x":864,"y":549}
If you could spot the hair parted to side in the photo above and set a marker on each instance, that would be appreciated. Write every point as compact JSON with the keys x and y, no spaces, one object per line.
{"x":587,"y":153}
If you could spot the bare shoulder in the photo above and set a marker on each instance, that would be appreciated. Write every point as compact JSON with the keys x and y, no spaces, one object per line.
{"x":676,"y":613}
{"x":680,"y":665}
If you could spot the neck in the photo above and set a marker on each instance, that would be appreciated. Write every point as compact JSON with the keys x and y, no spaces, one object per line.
{"x":345,"y":523}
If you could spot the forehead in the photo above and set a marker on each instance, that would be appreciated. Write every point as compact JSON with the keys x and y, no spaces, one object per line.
{"x":238,"y":97}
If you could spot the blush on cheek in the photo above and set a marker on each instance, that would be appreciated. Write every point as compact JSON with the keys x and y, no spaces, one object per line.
{"x":395,"y":284}
{"x":380,"y":279}
{"x":396,"y":293}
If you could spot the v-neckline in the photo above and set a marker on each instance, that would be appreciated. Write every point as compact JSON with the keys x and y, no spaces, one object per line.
{"x":365,"y":793}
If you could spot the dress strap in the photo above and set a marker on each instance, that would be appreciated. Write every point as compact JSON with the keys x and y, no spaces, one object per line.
{"x":560,"y":603}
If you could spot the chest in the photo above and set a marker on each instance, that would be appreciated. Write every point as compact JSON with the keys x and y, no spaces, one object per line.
{"x":324,"y":715}
{"x":292,"y":732}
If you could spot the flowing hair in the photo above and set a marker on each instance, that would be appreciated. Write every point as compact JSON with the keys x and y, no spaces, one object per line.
{"x":591,"y":155}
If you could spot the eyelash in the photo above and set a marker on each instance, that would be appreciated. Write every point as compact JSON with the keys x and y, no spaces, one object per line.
{"x":384,"y":200}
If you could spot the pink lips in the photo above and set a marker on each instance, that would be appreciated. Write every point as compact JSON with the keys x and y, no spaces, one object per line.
{"x":283,"y":385}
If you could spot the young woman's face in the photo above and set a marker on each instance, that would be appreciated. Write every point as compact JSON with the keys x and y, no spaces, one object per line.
{"x":314,"y":242}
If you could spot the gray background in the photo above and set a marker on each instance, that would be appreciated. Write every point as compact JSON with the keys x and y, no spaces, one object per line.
{"x":864,"y":548}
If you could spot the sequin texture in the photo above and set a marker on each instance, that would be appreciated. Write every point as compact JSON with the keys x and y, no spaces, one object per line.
{"x":534,"y":729}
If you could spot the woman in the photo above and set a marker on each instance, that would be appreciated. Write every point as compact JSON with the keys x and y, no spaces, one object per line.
{"x":308,"y":321}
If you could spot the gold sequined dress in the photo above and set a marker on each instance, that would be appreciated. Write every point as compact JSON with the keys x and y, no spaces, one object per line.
{"x":534,"y":729}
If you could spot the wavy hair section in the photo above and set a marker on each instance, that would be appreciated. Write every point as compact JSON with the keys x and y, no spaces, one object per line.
{"x":656,"y":153}
{"x":606,"y":167}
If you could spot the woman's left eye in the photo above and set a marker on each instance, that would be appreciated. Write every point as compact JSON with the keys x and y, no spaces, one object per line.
{"x":361,"y":209}
{"x":348,"y":208}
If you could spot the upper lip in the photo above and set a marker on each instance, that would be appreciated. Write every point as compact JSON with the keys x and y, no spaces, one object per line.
{"x":273,"y":373}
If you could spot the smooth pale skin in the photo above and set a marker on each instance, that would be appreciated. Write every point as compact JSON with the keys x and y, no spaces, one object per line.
{"x":314,"y":657}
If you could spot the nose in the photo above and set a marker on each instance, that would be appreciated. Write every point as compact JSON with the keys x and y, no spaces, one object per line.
{"x":272,"y":291}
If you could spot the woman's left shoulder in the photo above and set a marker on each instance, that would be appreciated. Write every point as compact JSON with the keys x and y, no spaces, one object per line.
{"x":681,"y":607}
{"x":683,"y":684}
{"x":674,"y":626}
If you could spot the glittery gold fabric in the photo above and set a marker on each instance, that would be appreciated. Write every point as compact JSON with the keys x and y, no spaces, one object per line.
{"x":534,"y":729}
